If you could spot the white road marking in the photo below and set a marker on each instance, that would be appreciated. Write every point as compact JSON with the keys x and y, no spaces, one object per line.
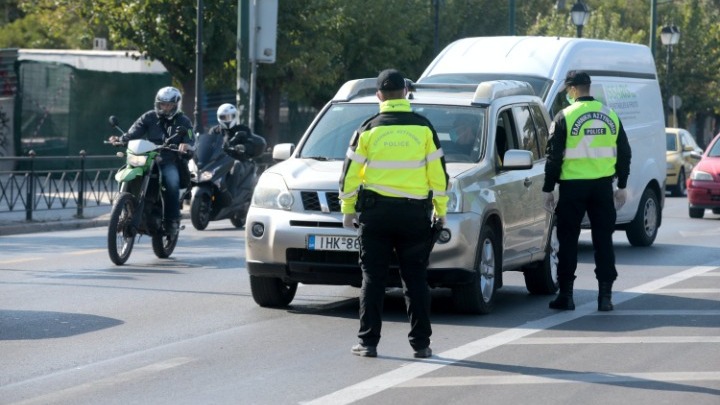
{"x":136,"y":374}
{"x":613,"y":340}
{"x":561,"y":378}
{"x":659,"y":312}
{"x":689,"y":291}
{"x":415,"y":370}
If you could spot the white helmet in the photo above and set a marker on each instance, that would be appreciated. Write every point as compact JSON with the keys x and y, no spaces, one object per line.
{"x":167,"y":95}
{"x":227,"y":116}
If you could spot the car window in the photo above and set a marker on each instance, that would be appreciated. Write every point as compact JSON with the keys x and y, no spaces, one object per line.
{"x":459,"y":129}
{"x":526,"y":130}
{"x":671,"y":142}
{"x":542,"y":128}
{"x":715,"y":149}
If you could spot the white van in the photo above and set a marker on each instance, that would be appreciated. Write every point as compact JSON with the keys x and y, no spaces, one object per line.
{"x":623,"y":77}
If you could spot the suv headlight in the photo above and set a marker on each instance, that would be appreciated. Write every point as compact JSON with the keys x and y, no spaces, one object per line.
{"x":272,"y":192}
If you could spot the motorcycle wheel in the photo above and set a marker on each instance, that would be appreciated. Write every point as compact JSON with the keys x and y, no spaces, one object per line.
{"x":238,"y":219}
{"x":163,"y":245}
{"x":121,"y":237}
{"x":200,"y":211}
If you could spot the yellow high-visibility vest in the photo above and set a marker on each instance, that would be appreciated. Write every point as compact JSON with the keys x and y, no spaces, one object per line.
{"x":591,"y":143}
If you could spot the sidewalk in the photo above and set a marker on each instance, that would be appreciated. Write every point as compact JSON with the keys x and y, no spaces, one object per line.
{"x":13,"y":223}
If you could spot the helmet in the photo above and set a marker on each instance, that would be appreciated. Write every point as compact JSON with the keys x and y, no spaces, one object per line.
{"x":167,"y":95}
{"x":227,"y":116}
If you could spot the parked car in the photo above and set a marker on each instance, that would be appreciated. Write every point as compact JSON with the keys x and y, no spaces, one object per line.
{"x":682,"y":154}
{"x":703,"y":186}
{"x":495,"y":221}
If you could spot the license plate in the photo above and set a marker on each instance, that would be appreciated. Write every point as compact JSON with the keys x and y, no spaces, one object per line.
{"x":333,"y":242}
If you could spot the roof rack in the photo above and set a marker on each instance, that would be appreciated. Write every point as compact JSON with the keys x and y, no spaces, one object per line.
{"x":490,"y":90}
{"x":355,"y":88}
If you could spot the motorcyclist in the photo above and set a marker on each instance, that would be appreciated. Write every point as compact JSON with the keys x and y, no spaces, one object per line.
{"x":238,"y":141}
{"x":157,"y":125}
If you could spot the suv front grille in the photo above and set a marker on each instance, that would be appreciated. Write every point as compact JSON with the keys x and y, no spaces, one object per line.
{"x":323,"y":201}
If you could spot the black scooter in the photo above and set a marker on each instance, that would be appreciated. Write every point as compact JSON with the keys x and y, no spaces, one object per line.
{"x":212,"y":198}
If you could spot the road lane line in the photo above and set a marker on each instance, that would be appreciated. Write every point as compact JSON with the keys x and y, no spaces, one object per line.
{"x":688,"y":291}
{"x":562,"y":378}
{"x":613,"y":340}
{"x":660,"y":312}
{"x":136,"y":374}
{"x":414,"y":370}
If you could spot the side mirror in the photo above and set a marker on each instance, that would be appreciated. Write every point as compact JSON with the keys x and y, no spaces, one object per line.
{"x":113,"y":121}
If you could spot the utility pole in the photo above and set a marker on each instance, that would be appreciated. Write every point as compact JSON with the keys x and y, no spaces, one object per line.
{"x":198,"y":70}
{"x":242,"y":60}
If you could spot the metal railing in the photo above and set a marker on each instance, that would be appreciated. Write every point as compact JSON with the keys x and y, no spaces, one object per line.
{"x":42,"y":183}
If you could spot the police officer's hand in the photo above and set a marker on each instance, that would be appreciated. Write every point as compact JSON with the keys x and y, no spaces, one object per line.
{"x":439,"y":220}
{"x":350,"y":221}
{"x":549,"y":202}
{"x":620,"y":197}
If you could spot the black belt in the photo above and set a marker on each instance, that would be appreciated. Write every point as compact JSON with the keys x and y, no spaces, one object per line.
{"x":394,"y":200}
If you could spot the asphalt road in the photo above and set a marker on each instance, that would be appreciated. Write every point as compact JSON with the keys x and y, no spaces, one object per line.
{"x":75,"y":329}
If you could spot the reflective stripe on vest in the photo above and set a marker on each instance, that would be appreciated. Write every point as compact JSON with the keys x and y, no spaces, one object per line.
{"x":591,"y":142}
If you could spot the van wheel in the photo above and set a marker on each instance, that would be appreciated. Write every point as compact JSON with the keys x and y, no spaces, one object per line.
{"x":696,"y":212}
{"x":541,"y":277}
{"x":478,"y":297}
{"x":643,"y":230}
{"x":680,"y":189}
{"x":271,"y":291}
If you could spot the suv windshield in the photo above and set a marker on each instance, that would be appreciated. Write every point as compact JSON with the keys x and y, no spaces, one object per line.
{"x":459,"y":129}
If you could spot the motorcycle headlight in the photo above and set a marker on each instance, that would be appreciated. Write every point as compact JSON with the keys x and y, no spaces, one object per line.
{"x":136,"y":160}
{"x":272,"y":192}
{"x":206,"y":176}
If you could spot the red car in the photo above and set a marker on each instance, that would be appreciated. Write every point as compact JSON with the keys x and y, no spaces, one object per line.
{"x":703,"y":185}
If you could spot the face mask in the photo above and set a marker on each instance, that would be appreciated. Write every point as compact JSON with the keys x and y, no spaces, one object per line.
{"x":568,"y":98}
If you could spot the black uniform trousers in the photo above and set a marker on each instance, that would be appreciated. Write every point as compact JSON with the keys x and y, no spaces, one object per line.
{"x":390,"y":226}
{"x":576,"y":198}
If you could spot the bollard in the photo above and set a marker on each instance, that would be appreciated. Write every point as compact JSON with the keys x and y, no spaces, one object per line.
{"x":30,"y":200}
{"x":81,"y":186}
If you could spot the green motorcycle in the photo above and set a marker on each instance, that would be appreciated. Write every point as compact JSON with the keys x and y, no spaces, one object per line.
{"x":138,"y":208}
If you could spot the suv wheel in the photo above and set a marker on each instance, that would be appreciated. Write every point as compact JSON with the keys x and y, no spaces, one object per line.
{"x":478,"y":297}
{"x":272,"y":292}
{"x":540,"y":278}
{"x":644,"y":227}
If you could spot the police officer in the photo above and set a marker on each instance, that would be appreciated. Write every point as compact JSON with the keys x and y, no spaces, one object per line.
{"x":587,"y":149}
{"x":166,"y":120}
{"x":396,"y":163}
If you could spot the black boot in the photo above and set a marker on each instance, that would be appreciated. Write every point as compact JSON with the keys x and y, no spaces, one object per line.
{"x":564,"y":300}
{"x":605,"y":296}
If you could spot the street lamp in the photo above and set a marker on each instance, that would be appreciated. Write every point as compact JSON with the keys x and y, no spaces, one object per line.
{"x":580,"y":14}
{"x":669,"y":36}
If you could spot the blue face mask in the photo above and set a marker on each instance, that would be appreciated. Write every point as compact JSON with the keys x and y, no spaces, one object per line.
{"x":568,"y":98}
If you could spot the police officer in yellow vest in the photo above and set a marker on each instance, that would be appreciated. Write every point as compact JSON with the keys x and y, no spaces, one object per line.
{"x":587,"y":149}
{"x":394,"y":175}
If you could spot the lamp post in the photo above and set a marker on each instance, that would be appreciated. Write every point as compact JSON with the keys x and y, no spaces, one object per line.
{"x":669,"y":36}
{"x":580,"y":14}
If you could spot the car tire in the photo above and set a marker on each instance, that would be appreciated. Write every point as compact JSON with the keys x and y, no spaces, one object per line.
{"x":643,"y":229}
{"x":478,"y":297}
{"x":541,"y":278}
{"x":272,"y":292}
{"x":696,"y":212}
{"x":680,"y":189}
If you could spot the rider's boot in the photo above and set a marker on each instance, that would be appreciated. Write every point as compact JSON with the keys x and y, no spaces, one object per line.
{"x":172,"y":226}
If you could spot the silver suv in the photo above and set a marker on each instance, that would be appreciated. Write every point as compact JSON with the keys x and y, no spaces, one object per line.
{"x":495,"y":222}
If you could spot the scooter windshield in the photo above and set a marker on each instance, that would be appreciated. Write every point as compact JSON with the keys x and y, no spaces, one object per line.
{"x":208,"y":148}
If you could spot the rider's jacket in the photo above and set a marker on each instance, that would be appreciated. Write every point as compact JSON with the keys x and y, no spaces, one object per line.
{"x":240,"y":135}
{"x":157,"y":130}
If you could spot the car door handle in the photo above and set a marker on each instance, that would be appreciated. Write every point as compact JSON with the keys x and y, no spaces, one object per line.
{"x":527,"y":182}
